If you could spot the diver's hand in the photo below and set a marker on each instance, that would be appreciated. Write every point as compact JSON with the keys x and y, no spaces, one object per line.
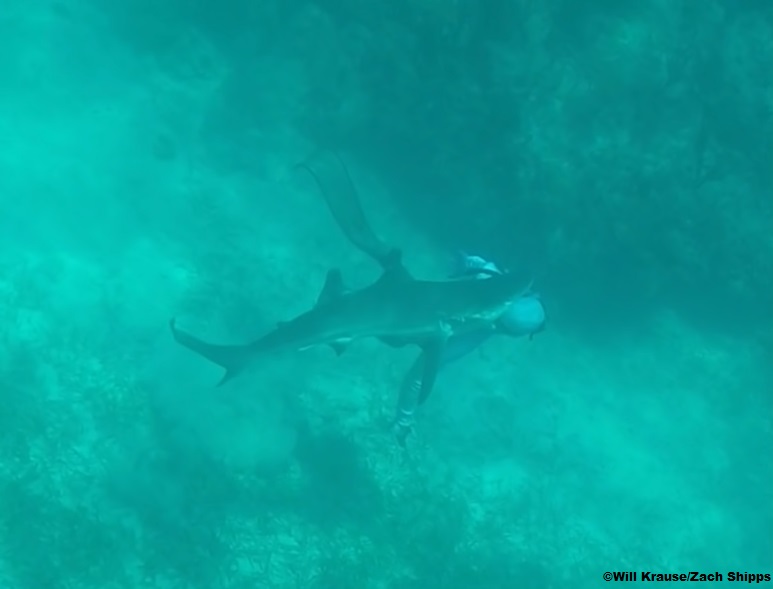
{"x":472,"y":266}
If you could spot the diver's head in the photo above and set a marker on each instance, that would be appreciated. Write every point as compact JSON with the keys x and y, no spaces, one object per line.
{"x":524,"y":316}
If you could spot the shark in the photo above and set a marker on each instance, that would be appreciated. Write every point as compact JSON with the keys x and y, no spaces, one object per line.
{"x":397,"y":308}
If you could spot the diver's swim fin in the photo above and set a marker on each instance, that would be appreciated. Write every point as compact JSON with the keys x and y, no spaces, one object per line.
{"x":332,"y":177}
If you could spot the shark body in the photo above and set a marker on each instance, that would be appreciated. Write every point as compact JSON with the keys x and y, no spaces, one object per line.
{"x":397,"y":309}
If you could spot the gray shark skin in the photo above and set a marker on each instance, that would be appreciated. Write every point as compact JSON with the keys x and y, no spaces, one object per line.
{"x":396,"y":309}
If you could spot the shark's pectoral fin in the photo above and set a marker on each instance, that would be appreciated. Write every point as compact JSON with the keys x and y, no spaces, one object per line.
{"x":232,"y":358}
{"x":395,"y":342}
{"x":339,"y":346}
{"x":433,"y":358}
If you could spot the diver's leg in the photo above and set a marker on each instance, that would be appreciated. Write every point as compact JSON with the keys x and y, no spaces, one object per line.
{"x":408,"y":400}
{"x":410,"y":389}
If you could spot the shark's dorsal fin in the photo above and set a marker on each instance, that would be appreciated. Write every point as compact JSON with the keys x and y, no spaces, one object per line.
{"x":333,"y":288}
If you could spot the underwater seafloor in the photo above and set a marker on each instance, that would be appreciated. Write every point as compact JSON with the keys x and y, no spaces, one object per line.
{"x":536,"y":464}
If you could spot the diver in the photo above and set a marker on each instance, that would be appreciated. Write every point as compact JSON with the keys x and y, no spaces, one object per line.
{"x":524,"y":317}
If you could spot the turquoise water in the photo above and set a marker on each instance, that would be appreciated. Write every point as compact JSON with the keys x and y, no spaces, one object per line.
{"x":619,"y":153}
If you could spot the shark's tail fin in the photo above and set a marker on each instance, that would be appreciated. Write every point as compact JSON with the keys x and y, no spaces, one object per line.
{"x":232,"y":358}
{"x":341,"y":196}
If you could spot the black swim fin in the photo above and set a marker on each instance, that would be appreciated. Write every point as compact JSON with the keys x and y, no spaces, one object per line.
{"x":336,"y":186}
